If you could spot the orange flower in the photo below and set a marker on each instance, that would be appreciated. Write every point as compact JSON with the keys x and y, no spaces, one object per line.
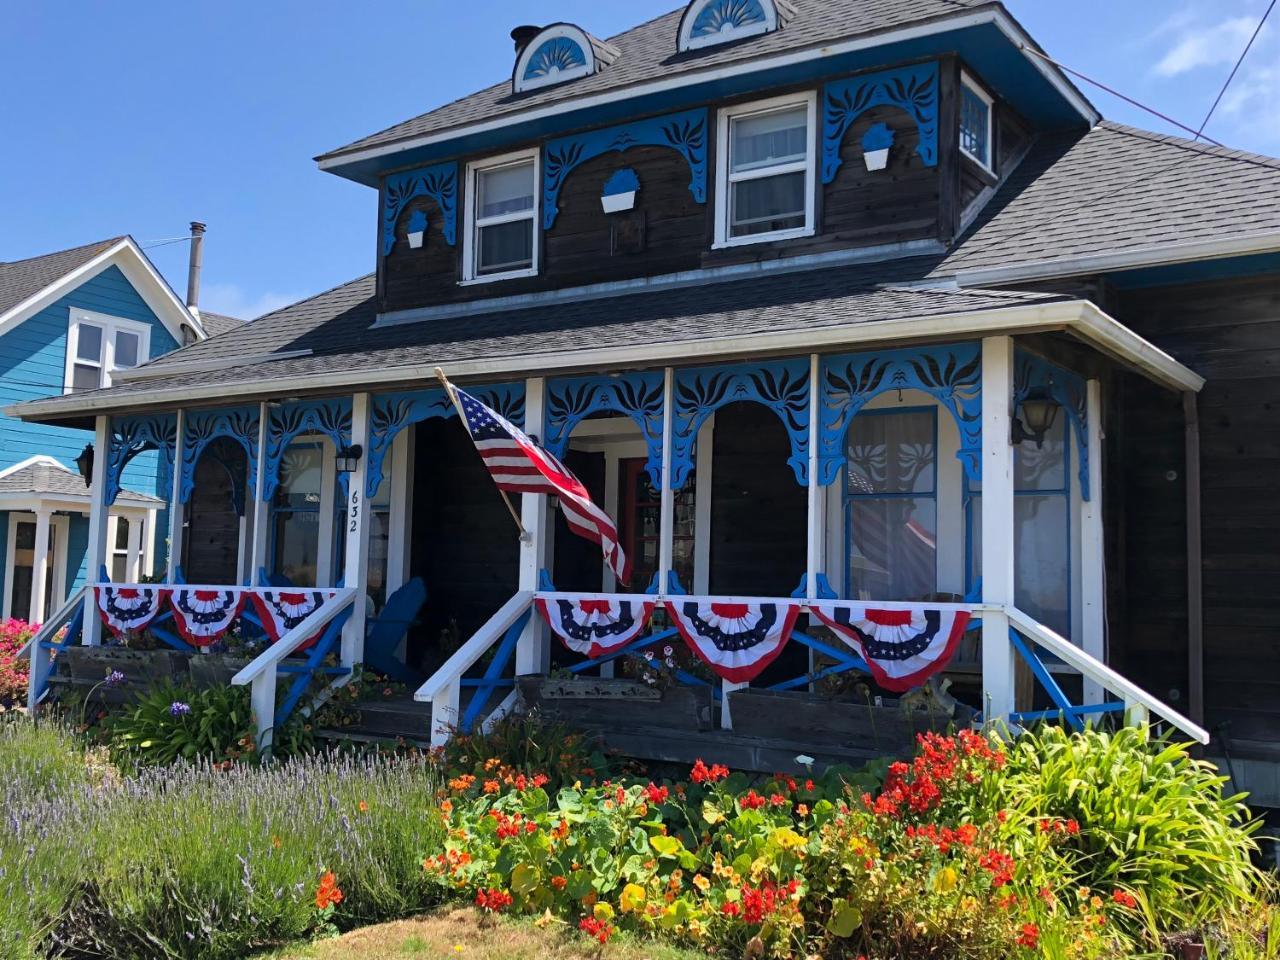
{"x":446,"y":807}
{"x":275,"y":843}
{"x":492,"y":786}
{"x":328,"y":894}
{"x":559,"y":882}
{"x":363,"y":807}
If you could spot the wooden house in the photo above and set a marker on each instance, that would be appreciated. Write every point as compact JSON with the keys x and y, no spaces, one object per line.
{"x":837,"y":307}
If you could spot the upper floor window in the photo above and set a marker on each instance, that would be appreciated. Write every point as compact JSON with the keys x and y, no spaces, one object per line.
{"x":98,"y":345}
{"x":502,"y":208}
{"x":976,"y":123}
{"x":765,"y":180}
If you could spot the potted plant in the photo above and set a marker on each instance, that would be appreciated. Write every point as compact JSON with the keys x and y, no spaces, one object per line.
{"x":876,"y":143}
{"x":417,"y":229}
{"x":620,"y":191}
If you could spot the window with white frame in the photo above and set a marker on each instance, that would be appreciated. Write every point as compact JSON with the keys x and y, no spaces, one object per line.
{"x":99,"y":345}
{"x":765,"y":180}
{"x":976,"y":123}
{"x":127,"y":557}
{"x":502,"y":211}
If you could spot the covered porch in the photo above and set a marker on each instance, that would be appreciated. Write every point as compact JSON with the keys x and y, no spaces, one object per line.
{"x":844,"y":517}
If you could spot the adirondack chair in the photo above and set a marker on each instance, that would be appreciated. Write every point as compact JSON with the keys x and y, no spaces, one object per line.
{"x":385,"y":633}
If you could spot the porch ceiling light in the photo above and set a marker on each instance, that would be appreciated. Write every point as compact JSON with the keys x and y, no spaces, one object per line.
{"x":84,"y":463}
{"x":348,"y":458}
{"x":1039,"y":413}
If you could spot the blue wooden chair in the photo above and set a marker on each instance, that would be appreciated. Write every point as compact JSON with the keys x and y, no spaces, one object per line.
{"x":385,"y":633}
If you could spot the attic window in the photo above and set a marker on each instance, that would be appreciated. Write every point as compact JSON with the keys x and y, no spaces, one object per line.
{"x":557,"y":54}
{"x":708,"y":23}
{"x":975,"y":123}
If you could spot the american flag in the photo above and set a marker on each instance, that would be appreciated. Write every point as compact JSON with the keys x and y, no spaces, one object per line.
{"x":518,"y":465}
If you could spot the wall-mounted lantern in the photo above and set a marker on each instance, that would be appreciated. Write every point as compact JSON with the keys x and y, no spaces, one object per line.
{"x":876,"y":143}
{"x":1038,"y":413}
{"x":417,"y":229}
{"x":348,"y":458}
{"x":84,"y":463}
{"x":620,"y":191}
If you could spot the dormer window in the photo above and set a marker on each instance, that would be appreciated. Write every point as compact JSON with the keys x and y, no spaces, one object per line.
{"x":502,"y":213}
{"x":976,"y":125}
{"x":707,"y":23}
{"x":557,"y":54}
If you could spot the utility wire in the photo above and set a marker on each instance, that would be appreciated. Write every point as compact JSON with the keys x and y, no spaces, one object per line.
{"x":1236,"y":69}
{"x":147,"y":245}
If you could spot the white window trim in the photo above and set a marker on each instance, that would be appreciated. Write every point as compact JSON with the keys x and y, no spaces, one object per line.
{"x":59,"y":525}
{"x":974,"y":87}
{"x":728,"y":35}
{"x":809,"y":166}
{"x":470,"y":248}
{"x":565,"y":31}
{"x":106,"y":362}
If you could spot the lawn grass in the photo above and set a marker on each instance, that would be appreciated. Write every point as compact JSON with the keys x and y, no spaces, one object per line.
{"x":461,"y":933}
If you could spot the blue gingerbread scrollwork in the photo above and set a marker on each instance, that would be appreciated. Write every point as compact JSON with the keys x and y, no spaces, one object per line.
{"x":952,"y":374}
{"x":913,"y":89}
{"x":685,"y":133}
{"x":637,"y":395}
{"x":1033,"y":374}
{"x":781,"y":385}
{"x":440,"y":183}
{"x":555,"y":56}
{"x":205,"y":426}
{"x":330,"y":418}
{"x":392,"y":412}
{"x":131,"y":436}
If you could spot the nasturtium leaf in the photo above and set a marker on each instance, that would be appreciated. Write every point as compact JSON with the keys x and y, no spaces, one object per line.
{"x":845,"y":918}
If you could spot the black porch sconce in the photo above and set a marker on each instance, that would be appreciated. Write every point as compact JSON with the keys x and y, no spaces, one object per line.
{"x":1034,"y":419}
{"x":348,"y":458}
{"x":84,"y":463}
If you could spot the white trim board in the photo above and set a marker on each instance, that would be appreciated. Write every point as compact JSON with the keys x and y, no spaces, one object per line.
{"x":138,"y":270}
{"x":1079,"y":317}
{"x":1006,"y":24}
{"x":31,"y":462}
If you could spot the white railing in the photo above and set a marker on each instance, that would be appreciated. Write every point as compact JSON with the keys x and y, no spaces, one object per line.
{"x":1139,"y":704}
{"x":37,"y":651}
{"x":261,"y":674}
{"x":443,"y":689}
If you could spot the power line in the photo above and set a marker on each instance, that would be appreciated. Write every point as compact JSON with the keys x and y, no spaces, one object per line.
{"x":1234,"y":70}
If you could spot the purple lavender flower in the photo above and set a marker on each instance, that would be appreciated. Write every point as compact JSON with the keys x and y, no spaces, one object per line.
{"x":115,"y":679}
{"x":180,"y":709}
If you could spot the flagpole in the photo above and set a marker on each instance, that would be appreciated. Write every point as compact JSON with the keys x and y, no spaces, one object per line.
{"x":525,"y":536}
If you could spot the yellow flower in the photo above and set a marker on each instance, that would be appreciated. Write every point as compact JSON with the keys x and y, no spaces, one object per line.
{"x":632,"y":898}
{"x":945,"y":881}
{"x":702,"y":883}
{"x":602,"y":912}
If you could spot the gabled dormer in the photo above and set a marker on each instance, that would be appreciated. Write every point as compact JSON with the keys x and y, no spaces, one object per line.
{"x":547,"y":56}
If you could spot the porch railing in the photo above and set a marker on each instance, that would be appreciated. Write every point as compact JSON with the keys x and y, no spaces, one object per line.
{"x":41,"y":649}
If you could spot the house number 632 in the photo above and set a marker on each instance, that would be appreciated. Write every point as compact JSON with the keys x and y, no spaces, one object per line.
{"x":354,"y":512}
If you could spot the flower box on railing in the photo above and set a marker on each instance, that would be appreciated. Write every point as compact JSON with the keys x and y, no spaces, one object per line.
{"x":88,"y":666}
{"x":596,"y":702}
{"x":216,"y":669}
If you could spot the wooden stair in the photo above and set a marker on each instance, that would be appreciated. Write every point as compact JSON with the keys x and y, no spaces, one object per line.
{"x":386,"y":721}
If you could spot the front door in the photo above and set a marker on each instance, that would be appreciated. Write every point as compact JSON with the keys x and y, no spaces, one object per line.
{"x":640,"y":525}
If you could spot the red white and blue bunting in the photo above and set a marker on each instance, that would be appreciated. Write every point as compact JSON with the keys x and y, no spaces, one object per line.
{"x":203,"y":616}
{"x":129,"y":609}
{"x":282,"y":610}
{"x":736,"y":640}
{"x":596,"y":627}
{"x":903,"y":648}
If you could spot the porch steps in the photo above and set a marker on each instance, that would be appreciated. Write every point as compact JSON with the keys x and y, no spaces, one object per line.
{"x":383,"y":721}
{"x":736,"y":751}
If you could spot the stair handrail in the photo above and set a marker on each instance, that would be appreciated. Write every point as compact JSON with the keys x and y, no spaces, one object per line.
{"x":36,"y":650}
{"x":261,"y":673}
{"x":1136,"y":699}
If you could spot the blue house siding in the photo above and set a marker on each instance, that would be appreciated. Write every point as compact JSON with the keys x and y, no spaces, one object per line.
{"x":77,"y":551}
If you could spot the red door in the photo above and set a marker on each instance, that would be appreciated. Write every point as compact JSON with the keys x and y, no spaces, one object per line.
{"x":640,"y":524}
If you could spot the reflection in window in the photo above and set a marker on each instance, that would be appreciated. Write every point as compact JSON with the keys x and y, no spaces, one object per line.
{"x":768,"y":172}
{"x":641,"y":524}
{"x":891,"y":505}
{"x":295,"y":514}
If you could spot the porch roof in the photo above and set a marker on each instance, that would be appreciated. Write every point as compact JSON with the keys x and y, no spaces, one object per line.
{"x":43,"y":478}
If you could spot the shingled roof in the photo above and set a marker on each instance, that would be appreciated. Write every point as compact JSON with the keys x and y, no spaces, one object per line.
{"x":22,"y":279}
{"x":648,"y":52}
{"x":45,"y":477}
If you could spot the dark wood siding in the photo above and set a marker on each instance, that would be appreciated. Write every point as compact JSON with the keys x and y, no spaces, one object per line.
{"x":411,"y":277}
{"x":1229,"y":332}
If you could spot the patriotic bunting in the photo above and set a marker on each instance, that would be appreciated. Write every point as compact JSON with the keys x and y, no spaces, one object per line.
{"x":282,"y":610}
{"x":903,"y":648}
{"x":128,"y":609}
{"x":736,"y":640}
{"x":203,"y":616}
{"x":596,"y":627}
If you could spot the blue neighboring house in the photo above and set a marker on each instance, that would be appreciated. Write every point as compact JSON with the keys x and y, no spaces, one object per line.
{"x":70,"y":321}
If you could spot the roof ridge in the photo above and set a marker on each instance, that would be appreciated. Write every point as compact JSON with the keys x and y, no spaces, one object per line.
{"x":1186,"y":143}
{"x":111,"y":241}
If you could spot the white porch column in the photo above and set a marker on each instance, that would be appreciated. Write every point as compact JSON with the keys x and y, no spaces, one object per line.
{"x":817,"y":496}
{"x":355,"y":570}
{"x":1093,"y":596}
{"x":533,"y":650}
{"x":667,"y":517}
{"x":133,"y":547}
{"x":997,"y":526}
{"x":177,"y":509}
{"x":98,"y":514}
{"x":258,"y":531}
{"x":40,"y":567}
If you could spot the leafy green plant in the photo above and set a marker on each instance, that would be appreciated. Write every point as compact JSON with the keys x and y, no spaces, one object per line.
{"x":529,"y":745}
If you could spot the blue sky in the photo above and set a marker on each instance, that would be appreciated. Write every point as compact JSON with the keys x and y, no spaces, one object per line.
{"x":138,"y":117}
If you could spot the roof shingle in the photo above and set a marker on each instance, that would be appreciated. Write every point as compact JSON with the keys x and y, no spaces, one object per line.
{"x":21,"y":279}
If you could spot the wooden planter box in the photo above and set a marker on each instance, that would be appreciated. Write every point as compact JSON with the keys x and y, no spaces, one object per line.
{"x":215,"y":669}
{"x":604,"y":703}
{"x":141,"y":668}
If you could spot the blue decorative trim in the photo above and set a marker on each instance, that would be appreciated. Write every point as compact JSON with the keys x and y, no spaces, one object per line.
{"x":913,"y":89}
{"x":781,"y":385}
{"x":392,"y":412}
{"x":131,"y":436}
{"x":637,"y":395}
{"x":557,"y":55}
{"x":440,"y":183}
{"x":622,"y":181}
{"x":729,"y":15}
{"x":952,"y":374}
{"x":1066,"y":389}
{"x":204,"y":426}
{"x":331,"y":417}
{"x":685,"y":133}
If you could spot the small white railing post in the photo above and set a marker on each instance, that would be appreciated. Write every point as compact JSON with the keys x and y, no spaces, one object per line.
{"x":997,"y":527}
{"x":262,"y":700}
{"x":1135,"y":713}
{"x":446,"y":710}
{"x":91,"y":635}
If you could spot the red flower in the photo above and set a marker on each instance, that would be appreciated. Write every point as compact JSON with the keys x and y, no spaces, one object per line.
{"x":731,"y":909}
{"x":777,"y":800}
{"x":1125,"y":899}
{"x":751,"y":801}
{"x":1029,"y":937}
{"x":701,"y":773}
{"x":999,"y":865}
{"x":493,"y":900}
{"x":656,"y":795}
{"x":597,"y":929}
{"x":328,"y":893}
